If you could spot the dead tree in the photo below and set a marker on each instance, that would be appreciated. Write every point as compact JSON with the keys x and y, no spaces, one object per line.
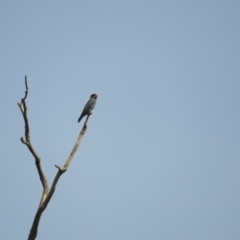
{"x":47,"y":193}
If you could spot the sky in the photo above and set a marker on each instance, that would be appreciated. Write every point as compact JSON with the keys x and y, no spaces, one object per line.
{"x":160,"y":158}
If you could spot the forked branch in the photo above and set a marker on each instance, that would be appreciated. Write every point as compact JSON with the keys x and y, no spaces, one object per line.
{"x":47,"y":194}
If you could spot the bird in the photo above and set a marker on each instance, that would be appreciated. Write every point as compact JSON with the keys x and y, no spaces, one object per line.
{"x":87,"y":110}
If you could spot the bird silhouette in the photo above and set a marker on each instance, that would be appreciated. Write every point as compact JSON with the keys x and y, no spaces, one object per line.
{"x":89,"y":106}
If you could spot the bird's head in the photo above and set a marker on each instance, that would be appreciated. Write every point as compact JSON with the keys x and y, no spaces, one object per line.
{"x":94,"y":96}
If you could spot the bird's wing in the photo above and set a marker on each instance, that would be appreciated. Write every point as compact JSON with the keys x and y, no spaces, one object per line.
{"x":89,"y":105}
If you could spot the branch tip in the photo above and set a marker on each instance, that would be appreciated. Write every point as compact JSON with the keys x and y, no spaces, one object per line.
{"x":26,"y":91}
{"x":23,"y":141}
{"x":62,"y":170}
{"x":26,"y":82}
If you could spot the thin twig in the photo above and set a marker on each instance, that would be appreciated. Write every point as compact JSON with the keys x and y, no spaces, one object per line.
{"x":27,"y":141}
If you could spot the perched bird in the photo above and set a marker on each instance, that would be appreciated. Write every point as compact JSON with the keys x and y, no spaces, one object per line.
{"x":89,"y":106}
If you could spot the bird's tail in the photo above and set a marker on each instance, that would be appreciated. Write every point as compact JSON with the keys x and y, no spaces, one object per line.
{"x":79,"y":118}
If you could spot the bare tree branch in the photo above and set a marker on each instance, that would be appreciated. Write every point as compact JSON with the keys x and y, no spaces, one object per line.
{"x":67,"y":163}
{"x":47,"y":194}
{"x":27,"y":142}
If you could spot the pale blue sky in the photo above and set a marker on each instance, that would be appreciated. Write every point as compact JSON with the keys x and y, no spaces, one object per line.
{"x":160,"y":159}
